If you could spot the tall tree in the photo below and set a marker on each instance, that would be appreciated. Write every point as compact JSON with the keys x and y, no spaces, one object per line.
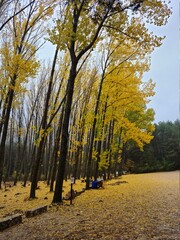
{"x":72,"y":34}
{"x":43,"y":129}
{"x":18,"y":57}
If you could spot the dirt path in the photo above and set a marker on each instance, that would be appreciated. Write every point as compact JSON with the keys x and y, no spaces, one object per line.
{"x":146,"y":207}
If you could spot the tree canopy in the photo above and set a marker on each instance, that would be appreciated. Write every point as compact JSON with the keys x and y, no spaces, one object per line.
{"x":80,"y":112}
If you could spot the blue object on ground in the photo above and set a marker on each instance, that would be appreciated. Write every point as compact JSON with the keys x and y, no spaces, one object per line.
{"x":94,"y":184}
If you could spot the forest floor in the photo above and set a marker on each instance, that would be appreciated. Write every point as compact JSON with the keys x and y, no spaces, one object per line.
{"x":141,"y":207}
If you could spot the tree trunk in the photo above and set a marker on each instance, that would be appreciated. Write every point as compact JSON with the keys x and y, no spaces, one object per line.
{"x":65,"y":135}
{"x":111,"y":131}
{"x":99,"y":144}
{"x":55,"y":153}
{"x":19,"y":155}
{"x":44,"y":125}
{"x":5,"y":126}
{"x":88,"y":173}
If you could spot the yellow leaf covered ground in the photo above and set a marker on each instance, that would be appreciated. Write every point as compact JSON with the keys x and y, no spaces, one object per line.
{"x":143,"y":207}
{"x":16,"y":198}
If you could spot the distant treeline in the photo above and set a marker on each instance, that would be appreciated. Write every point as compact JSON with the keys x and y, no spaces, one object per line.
{"x":162,"y":154}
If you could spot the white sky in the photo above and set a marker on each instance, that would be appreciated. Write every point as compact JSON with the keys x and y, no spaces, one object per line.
{"x":165,"y":69}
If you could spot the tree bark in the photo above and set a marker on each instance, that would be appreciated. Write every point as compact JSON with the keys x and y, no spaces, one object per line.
{"x":88,"y":171}
{"x":44,"y":126}
{"x":55,"y":153}
{"x":65,"y":135}
{"x":5,"y":126}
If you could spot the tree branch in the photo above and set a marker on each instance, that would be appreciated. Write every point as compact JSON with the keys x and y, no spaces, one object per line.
{"x":15,"y":14}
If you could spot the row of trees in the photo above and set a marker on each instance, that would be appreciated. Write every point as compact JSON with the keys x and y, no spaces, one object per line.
{"x":162,"y":154}
{"x":75,"y":114}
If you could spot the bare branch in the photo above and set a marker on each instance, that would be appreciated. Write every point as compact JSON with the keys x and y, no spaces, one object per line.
{"x":15,"y":14}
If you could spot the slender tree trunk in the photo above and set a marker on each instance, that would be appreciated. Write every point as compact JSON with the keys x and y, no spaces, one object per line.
{"x":123,"y":161}
{"x":48,"y":157}
{"x":28,"y":167}
{"x":4,"y":113}
{"x":5,"y":126}
{"x":88,"y":173}
{"x":85,"y":156}
{"x":111,"y":131}
{"x":99,"y":144}
{"x":43,"y":138}
{"x":65,"y":135}
{"x":117,"y":164}
{"x":11,"y":158}
{"x":19,"y":156}
{"x":55,"y":152}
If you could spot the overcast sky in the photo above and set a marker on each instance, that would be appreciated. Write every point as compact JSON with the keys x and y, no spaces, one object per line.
{"x":165,"y":69}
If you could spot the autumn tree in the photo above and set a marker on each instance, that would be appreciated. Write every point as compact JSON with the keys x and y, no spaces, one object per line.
{"x":18,"y":57}
{"x":33,"y":100}
{"x":43,"y":130}
{"x":72,"y":34}
{"x":52,"y":105}
{"x":9,"y":9}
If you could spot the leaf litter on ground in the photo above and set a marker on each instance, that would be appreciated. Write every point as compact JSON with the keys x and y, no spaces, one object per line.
{"x":142,"y":207}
